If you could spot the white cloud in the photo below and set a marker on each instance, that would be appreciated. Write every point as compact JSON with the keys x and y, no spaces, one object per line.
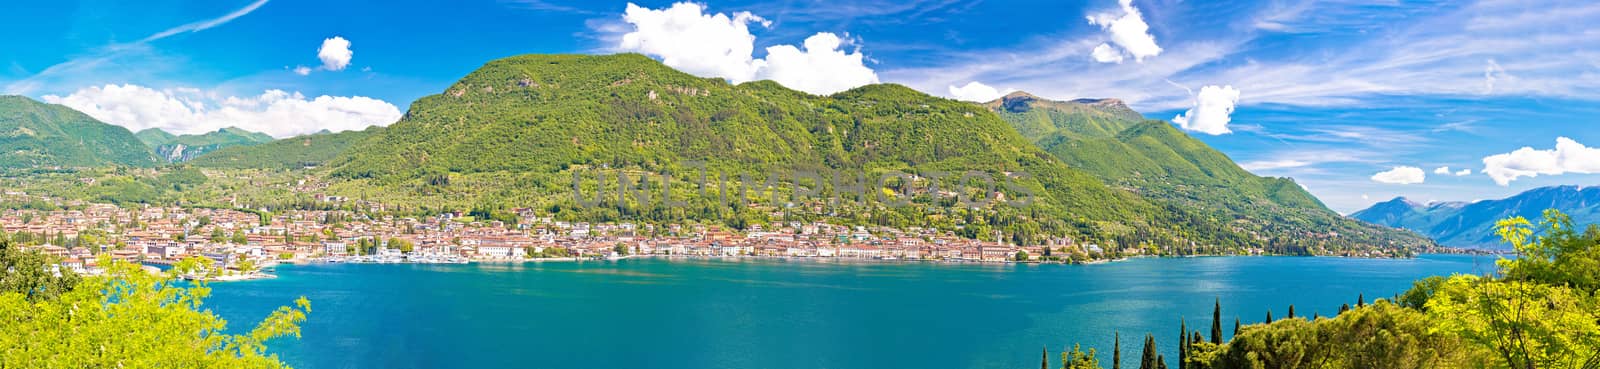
{"x":1106,"y":54}
{"x":335,"y":53}
{"x":685,"y":37}
{"x":187,"y":110}
{"x":977,"y":92}
{"x":688,"y":39}
{"x":1445,"y":171}
{"x":822,"y":68}
{"x":302,"y":70}
{"x":1212,"y":111}
{"x":1128,"y":31}
{"x":1569,"y":156}
{"x":1401,"y":175}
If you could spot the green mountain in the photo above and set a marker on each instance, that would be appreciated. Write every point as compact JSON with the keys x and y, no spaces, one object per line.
{"x":183,"y":148}
{"x":1107,"y":139}
{"x":515,"y":132}
{"x":295,"y":152}
{"x":36,"y":134}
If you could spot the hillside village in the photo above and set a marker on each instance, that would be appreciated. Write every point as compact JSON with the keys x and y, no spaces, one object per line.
{"x":241,"y":240}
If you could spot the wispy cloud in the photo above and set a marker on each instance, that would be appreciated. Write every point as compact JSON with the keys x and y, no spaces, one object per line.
{"x":117,"y":54}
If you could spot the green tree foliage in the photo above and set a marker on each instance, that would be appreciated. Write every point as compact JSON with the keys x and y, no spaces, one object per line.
{"x":1149,"y":359}
{"x":39,"y":135}
{"x":1544,"y":312}
{"x":1078,"y":359}
{"x":1110,"y":141}
{"x":32,"y":275}
{"x":1216,"y":322}
{"x":134,"y":319}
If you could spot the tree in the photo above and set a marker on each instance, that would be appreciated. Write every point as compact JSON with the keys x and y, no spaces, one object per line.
{"x":1078,"y":359}
{"x":1541,"y":314}
{"x":1044,"y":358}
{"x":1149,"y":358}
{"x":401,"y":244}
{"x":131,"y":318}
{"x":1183,"y":342}
{"x":1116,"y":350}
{"x":1216,"y":322}
{"x":1291,"y":311}
{"x":1236,"y":324}
{"x":1021,"y":256}
{"x":32,"y":275}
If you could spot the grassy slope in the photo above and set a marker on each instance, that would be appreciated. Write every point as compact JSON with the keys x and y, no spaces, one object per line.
{"x":38,"y":134}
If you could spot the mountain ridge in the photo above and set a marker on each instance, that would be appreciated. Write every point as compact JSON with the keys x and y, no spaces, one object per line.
{"x":1471,"y":224}
{"x":38,"y":134}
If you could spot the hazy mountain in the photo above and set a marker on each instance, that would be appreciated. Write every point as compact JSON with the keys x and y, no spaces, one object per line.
{"x":182,"y":148}
{"x":310,"y":150}
{"x":1463,"y":224}
{"x":36,"y":134}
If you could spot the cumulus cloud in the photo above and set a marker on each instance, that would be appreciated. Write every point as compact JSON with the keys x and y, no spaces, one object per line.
{"x":302,"y":70}
{"x":1106,"y":54}
{"x":1129,"y":31}
{"x":1400,"y":175}
{"x":187,"y":110}
{"x":1569,"y":156}
{"x":822,"y":68}
{"x":1445,"y":171}
{"x":687,"y":38}
{"x":335,"y":53}
{"x":977,"y":92}
{"x":1212,"y":111}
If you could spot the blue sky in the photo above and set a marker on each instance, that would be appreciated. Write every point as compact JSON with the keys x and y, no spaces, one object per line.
{"x":1359,"y":101}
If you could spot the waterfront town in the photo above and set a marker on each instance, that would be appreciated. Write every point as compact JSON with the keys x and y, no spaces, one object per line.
{"x":245,"y":240}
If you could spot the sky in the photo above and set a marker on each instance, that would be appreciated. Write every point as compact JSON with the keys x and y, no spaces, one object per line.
{"x":1358,"y":101}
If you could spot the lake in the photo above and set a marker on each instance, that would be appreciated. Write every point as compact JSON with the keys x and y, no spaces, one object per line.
{"x":772,"y":313}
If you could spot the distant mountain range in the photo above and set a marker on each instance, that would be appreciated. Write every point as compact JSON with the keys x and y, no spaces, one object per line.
{"x":176,"y":149}
{"x":307,"y":151}
{"x":1464,"y":224}
{"x":36,"y":134}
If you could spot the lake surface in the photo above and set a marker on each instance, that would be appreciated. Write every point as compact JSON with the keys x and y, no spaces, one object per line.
{"x":766,"y":313}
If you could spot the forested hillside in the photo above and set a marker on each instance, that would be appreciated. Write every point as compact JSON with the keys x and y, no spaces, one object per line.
{"x":36,"y":134}
{"x":1107,"y":139}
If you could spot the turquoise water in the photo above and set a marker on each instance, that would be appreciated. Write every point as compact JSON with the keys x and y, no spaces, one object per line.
{"x":764,"y":313}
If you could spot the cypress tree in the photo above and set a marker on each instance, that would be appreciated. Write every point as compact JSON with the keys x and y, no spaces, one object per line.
{"x":1116,"y":351}
{"x":1346,"y":308}
{"x":1361,"y":300}
{"x":1269,"y":317}
{"x":1044,"y":358}
{"x":1236,"y":325}
{"x":1216,"y":322}
{"x":1183,"y":343}
{"x":1161,"y":362}
{"x":1291,"y":311}
{"x":1148,"y":360}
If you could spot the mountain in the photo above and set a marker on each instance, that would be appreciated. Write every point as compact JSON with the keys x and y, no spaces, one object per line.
{"x":1463,"y":224}
{"x":518,"y":131}
{"x":295,"y":152}
{"x":1111,"y":141}
{"x":36,"y":134}
{"x":183,"y":148}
